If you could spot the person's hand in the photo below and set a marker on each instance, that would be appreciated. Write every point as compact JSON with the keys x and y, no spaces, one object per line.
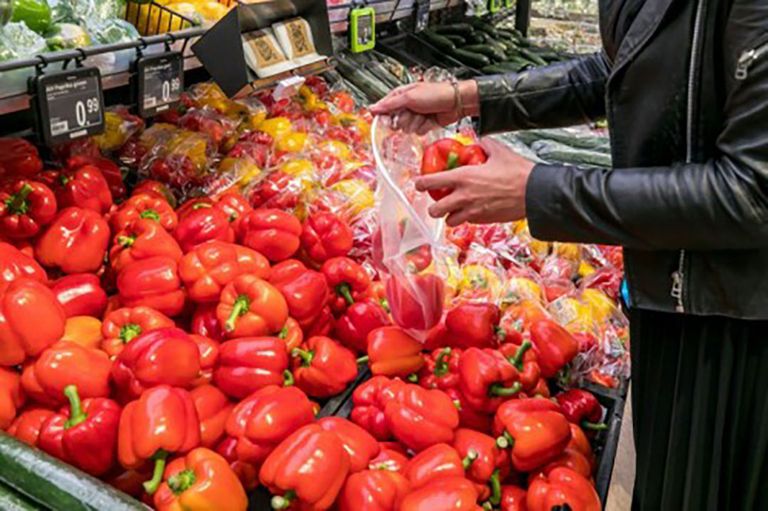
{"x":482,"y":194}
{"x":421,"y":107}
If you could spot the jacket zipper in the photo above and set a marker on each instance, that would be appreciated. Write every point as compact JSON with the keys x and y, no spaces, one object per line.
{"x":747,"y":58}
{"x":678,"y":277}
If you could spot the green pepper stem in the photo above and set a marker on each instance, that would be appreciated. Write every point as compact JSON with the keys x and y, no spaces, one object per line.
{"x":181,"y":481}
{"x":201,"y":205}
{"x":594,"y":426}
{"x":362,"y":360}
{"x":385,"y":305}
{"x":452,"y":161}
{"x":501,"y":334}
{"x":517,"y":359}
{"x":288,"y":380}
{"x":150,"y":214}
{"x":441,"y":366}
{"x":126,"y":241}
{"x":505,"y":441}
{"x":153,"y":484}
{"x":283,"y":501}
{"x":306,"y":356}
{"x":467,"y":462}
{"x":495,"y":488}
{"x":498,"y":390}
{"x":129,"y":331}
{"x":283,"y":333}
{"x":17,"y":202}
{"x":413,"y":378}
{"x":239,"y":308}
{"x":76,"y":413}
{"x":346,"y":292}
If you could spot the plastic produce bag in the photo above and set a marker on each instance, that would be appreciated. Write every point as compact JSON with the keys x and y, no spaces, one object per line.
{"x":17,"y":40}
{"x":410,"y":249}
{"x":67,"y":36}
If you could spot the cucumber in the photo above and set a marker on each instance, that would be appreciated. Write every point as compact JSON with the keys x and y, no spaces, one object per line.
{"x":471,"y":58}
{"x":482,"y":26}
{"x":489,"y":51}
{"x":55,"y":484}
{"x":475,"y":38}
{"x":503,"y":67}
{"x":12,"y":501}
{"x":456,"y":39}
{"x":461,"y":29}
{"x":437,"y":40}
{"x":524,"y":52}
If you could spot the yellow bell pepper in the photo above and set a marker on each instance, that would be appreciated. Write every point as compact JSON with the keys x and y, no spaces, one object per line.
{"x":585,"y":269}
{"x":574,"y":315}
{"x":518,"y":289}
{"x":276,"y":127}
{"x":463,"y":139}
{"x":304,"y":169}
{"x":362,"y":126}
{"x":359,"y":195}
{"x":309,"y":100}
{"x":242,"y":170}
{"x":83,"y":330}
{"x":192,"y":145}
{"x":211,"y":11}
{"x":114,"y":136}
{"x":477,"y":278}
{"x":570,"y":251}
{"x":152,"y":20}
{"x":209,"y":94}
{"x":601,"y":304}
{"x":336,"y":148}
{"x":291,"y":142}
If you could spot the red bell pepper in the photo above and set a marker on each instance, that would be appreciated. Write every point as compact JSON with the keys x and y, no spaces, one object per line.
{"x":275,"y":191}
{"x":83,"y":434}
{"x":205,"y":322}
{"x":272,"y":232}
{"x":234,"y":206}
{"x":291,"y":334}
{"x":488,"y":464}
{"x":80,"y":294}
{"x":324,"y":236}
{"x":19,"y":158}
{"x":369,"y":400}
{"x":419,"y":258}
{"x":322,"y":325}
{"x":359,"y":444}
{"x":441,"y":369}
{"x":155,"y":189}
{"x":201,"y":480}
{"x":373,"y":490}
{"x":250,"y":306}
{"x":555,"y":346}
{"x":437,"y":462}
{"x":569,"y":458}
{"x":25,"y":208}
{"x":474,"y":325}
{"x":66,"y":363}
{"x":209,"y":267}
{"x":11,"y":396}
{"x":447,"y":154}
{"x":123,"y":325}
{"x":15,"y":264}
{"x":392,"y":457}
{"x":580,"y":443}
{"x":144,"y":206}
{"x":209,"y":358}
{"x":513,"y":498}
{"x":562,"y":488}
{"x":141,"y":240}
{"x":582,"y":407}
{"x":468,"y":416}
{"x":487,"y":379}
{"x":162,"y":421}
{"x":360,"y":319}
{"x":213,"y":410}
{"x":203,"y":223}
{"x":75,"y":241}
{"x":165,"y":356}
{"x":306,"y":470}
{"x":535,"y":429}
{"x":419,"y":418}
{"x":392,"y":352}
{"x":261,"y":421}
{"x":246,"y":472}
{"x":26,"y":427}
{"x":322,"y":367}
{"x":85,"y":187}
{"x":416,"y":303}
{"x":109,"y":169}
{"x":23,"y":303}
{"x":152,"y":282}
{"x":251,"y":363}
{"x":305,"y":291}
{"x":526,"y":363}
{"x":349,"y":281}
{"x":454,"y":493}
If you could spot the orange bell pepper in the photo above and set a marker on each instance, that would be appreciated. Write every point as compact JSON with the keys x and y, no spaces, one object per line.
{"x":213,"y":409}
{"x":11,"y":396}
{"x":83,"y":330}
{"x":392,"y":352}
{"x":323,"y":367}
{"x":250,"y":306}
{"x":562,"y":488}
{"x":123,"y":325}
{"x":27,"y":426}
{"x":200,"y":481}
{"x":454,"y":493}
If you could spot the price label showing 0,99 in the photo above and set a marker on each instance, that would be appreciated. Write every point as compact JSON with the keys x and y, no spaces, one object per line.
{"x":160,"y":80}
{"x":68,"y":105}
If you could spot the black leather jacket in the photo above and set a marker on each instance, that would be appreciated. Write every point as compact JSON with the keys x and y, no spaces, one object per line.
{"x":684,"y":85}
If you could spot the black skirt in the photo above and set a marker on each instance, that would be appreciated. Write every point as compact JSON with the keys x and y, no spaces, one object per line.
{"x":700,"y":412}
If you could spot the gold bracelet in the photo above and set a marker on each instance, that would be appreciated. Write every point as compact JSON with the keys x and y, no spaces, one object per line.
{"x":457,"y":100}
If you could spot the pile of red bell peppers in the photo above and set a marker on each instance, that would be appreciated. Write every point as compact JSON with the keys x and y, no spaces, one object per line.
{"x":178,"y":353}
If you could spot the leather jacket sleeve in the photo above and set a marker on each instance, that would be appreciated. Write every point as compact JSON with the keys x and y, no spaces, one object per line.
{"x":717,"y":205}
{"x":561,"y":94}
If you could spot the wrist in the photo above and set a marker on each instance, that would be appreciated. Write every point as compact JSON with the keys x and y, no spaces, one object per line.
{"x":470,"y":98}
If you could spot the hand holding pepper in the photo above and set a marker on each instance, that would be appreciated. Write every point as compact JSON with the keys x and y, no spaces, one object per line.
{"x":448,"y":154}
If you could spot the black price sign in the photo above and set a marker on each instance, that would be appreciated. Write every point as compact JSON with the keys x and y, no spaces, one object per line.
{"x":68,"y":104}
{"x":160,"y":80}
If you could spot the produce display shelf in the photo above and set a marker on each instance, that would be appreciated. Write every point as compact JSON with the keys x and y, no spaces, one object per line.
{"x":607,"y":444}
{"x":412,"y":50}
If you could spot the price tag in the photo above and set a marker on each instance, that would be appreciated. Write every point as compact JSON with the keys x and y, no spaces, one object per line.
{"x":288,"y":87}
{"x":421,"y":15}
{"x":362,"y":29}
{"x":160,"y":82}
{"x":68,"y":104}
